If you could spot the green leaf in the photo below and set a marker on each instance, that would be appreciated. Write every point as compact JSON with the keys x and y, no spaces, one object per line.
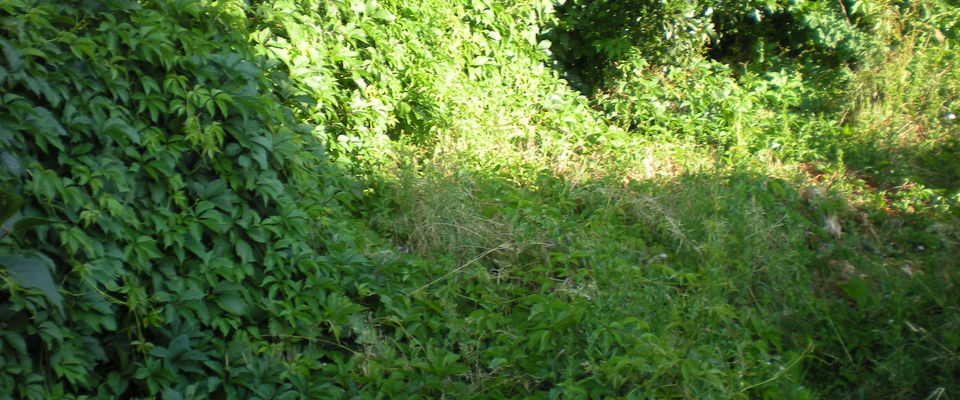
{"x":232,"y":303}
{"x":223,"y":101}
{"x":32,"y":222}
{"x":50,"y":329}
{"x":179,"y":345}
{"x":382,"y":15}
{"x":544,"y":45}
{"x":191,"y":294}
{"x":43,"y":119}
{"x":83,"y":46}
{"x":118,"y":128}
{"x":244,"y":251}
{"x":171,"y":394}
{"x":46,"y":183}
{"x":13,"y":56}
{"x":12,"y":164}
{"x":41,"y":87}
{"x":15,"y":341}
{"x":9,"y":204}
{"x":117,"y":383}
{"x":260,"y":156}
{"x":149,"y":85}
{"x":30,"y":273}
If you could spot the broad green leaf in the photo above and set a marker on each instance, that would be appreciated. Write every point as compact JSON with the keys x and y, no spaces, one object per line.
{"x":171,"y":394}
{"x":31,"y":222}
{"x":117,"y":383}
{"x":191,"y":294}
{"x":179,"y":345}
{"x":118,"y":128}
{"x":244,"y":251}
{"x":9,"y":204}
{"x":260,"y":155}
{"x":383,"y":15}
{"x":11,"y":163}
{"x":15,"y":341}
{"x":31,"y":51}
{"x":84,"y":46}
{"x":52,"y":330}
{"x":232,"y":303}
{"x":45,"y":120}
{"x":149,"y":85}
{"x":223,"y":101}
{"x":13,"y":56}
{"x":46,"y":183}
{"x":31,"y":273}
{"x":41,"y":87}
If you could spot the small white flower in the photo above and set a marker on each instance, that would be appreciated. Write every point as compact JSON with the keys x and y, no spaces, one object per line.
{"x":662,"y":255}
{"x":949,"y":117}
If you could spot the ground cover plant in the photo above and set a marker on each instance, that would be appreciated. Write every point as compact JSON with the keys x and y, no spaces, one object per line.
{"x":479,"y":199}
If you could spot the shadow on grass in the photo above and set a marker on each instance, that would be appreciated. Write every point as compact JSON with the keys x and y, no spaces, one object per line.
{"x":660,"y":287}
{"x":932,"y":164}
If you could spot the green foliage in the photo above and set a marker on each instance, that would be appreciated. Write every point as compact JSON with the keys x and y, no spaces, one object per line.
{"x":591,"y":38}
{"x":386,"y":199}
{"x":156,"y":131}
{"x":28,"y":273}
{"x":764,"y":115}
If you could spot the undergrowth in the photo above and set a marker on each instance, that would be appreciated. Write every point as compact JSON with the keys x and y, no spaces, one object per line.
{"x":479,"y":199}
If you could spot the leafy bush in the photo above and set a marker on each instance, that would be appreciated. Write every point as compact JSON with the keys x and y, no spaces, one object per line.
{"x":591,"y":38}
{"x":193,"y":207}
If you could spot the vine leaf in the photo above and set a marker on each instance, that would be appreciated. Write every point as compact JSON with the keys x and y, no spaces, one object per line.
{"x":30,"y":273}
{"x":232,"y":303}
{"x":31,"y":222}
{"x":9,"y":204}
{"x":11,"y":163}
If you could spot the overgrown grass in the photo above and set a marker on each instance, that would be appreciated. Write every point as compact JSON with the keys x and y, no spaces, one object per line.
{"x":725,"y":237}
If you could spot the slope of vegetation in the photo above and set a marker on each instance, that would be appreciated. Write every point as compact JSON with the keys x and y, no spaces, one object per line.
{"x":479,"y":199}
